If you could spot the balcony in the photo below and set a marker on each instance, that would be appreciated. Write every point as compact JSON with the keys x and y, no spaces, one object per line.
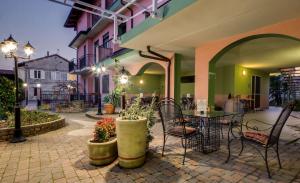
{"x":72,"y":65}
{"x":104,"y":51}
{"x":82,"y":65}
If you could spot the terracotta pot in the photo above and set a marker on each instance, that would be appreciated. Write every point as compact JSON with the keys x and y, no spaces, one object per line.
{"x":132,"y":142}
{"x":109,"y":108}
{"x":102,"y":153}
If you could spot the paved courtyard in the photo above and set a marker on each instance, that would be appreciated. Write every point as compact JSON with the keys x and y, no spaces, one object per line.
{"x":61,"y":156}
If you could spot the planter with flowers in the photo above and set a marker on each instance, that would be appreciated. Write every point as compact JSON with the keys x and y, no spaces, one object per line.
{"x":111,"y":101}
{"x":103,"y":147}
{"x":133,"y":133}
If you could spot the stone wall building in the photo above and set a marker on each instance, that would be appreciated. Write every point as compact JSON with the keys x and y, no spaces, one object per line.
{"x":44,"y":75}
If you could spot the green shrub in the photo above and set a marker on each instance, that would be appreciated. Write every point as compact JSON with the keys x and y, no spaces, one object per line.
{"x":31,"y":117}
{"x":7,"y":96}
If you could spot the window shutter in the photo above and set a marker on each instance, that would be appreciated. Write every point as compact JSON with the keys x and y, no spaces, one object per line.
{"x":53,"y":75}
{"x":31,"y":73}
{"x":42,"y":74}
{"x":58,"y":76}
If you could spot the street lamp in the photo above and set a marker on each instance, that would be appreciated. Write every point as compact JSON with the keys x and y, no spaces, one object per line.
{"x":9,"y":49}
{"x":123,"y":80}
{"x":99,"y":70}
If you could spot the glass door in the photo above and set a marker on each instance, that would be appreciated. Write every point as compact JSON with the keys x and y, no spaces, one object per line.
{"x":256,"y":92}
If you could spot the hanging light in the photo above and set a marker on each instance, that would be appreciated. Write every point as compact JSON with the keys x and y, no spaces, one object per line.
{"x":103,"y":69}
{"x":25,"y":85}
{"x":11,"y":44}
{"x":3,"y":47}
{"x":94,"y":68}
{"x":28,"y":49}
{"x":38,"y":85}
{"x":123,"y":77}
{"x":98,"y":70}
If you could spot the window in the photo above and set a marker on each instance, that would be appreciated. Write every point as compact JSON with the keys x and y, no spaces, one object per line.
{"x":58,"y":75}
{"x":35,"y":91}
{"x":109,"y":3}
{"x":105,"y":40}
{"x":122,"y":29}
{"x":37,"y":74}
{"x":64,"y":76}
{"x":105,"y":84}
{"x":96,"y":45}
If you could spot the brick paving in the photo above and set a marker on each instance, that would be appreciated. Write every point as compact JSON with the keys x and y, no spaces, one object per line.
{"x":61,"y":156}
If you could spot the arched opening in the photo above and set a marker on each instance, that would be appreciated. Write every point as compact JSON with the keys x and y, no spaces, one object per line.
{"x":243,"y":69}
{"x":149,"y":81}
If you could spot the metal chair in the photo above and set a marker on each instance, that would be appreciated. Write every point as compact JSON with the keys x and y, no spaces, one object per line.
{"x":258,"y":138}
{"x":174,"y":124}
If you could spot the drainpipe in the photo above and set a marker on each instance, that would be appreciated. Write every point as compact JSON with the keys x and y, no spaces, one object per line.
{"x":160,"y":57}
{"x":131,"y":13}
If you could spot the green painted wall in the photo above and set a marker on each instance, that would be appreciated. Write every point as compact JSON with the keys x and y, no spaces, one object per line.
{"x":230,"y":79}
{"x":243,"y":82}
{"x":224,"y":80}
{"x":187,"y":88}
{"x":152,"y":83}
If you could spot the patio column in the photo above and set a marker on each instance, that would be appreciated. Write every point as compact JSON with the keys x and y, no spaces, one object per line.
{"x":201,"y":74}
{"x":177,"y":77}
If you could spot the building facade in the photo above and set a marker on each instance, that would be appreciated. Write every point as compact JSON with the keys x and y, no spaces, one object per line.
{"x":206,"y":49}
{"x":44,"y":75}
{"x":95,"y":47}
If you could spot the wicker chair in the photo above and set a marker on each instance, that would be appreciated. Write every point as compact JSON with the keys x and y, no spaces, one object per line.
{"x":259,"y":138}
{"x":174,"y":124}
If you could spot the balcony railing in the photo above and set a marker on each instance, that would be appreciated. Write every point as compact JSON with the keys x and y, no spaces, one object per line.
{"x":85,"y":61}
{"x":72,"y":65}
{"x":104,"y":53}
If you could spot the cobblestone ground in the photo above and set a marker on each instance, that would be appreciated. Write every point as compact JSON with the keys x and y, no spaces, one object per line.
{"x":61,"y":156}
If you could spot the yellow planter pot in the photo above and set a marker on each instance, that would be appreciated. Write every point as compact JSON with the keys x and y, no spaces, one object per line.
{"x":102,"y":153}
{"x":132,"y":138}
{"x":109,"y":108}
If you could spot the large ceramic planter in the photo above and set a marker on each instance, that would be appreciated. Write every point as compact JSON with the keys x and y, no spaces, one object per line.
{"x":109,"y":108}
{"x":102,"y":153}
{"x":132,"y":137}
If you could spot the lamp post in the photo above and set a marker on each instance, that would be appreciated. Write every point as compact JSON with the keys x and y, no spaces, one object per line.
{"x":99,"y":70}
{"x":123,"y":80}
{"x":9,"y":49}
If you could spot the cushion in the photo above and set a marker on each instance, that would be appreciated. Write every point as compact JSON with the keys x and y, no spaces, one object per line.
{"x":224,"y":121}
{"x":187,"y":120}
{"x":256,"y":136}
{"x":178,"y":131}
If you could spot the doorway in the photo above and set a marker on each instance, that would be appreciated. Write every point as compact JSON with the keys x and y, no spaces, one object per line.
{"x":256,"y":91}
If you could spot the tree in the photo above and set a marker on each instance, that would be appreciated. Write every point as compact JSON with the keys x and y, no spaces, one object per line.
{"x":7,"y":96}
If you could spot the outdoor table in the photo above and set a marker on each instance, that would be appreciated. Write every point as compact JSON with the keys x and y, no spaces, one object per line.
{"x":209,"y":127}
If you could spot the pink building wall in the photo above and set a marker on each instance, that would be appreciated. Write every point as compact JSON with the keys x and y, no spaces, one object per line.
{"x":85,"y":22}
{"x":205,"y":52}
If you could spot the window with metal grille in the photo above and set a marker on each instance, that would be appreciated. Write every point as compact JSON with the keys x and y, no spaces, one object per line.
{"x":105,"y":84}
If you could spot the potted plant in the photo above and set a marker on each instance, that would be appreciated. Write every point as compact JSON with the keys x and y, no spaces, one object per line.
{"x":103,"y":147}
{"x":133,"y":133}
{"x":111,"y":101}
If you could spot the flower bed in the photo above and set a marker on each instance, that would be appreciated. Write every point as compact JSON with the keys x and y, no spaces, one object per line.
{"x":33,"y":123}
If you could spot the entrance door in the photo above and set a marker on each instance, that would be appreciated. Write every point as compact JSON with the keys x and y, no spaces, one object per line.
{"x":256,"y":91}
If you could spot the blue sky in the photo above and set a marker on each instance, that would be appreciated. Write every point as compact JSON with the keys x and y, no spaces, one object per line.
{"x":40,"y":22}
